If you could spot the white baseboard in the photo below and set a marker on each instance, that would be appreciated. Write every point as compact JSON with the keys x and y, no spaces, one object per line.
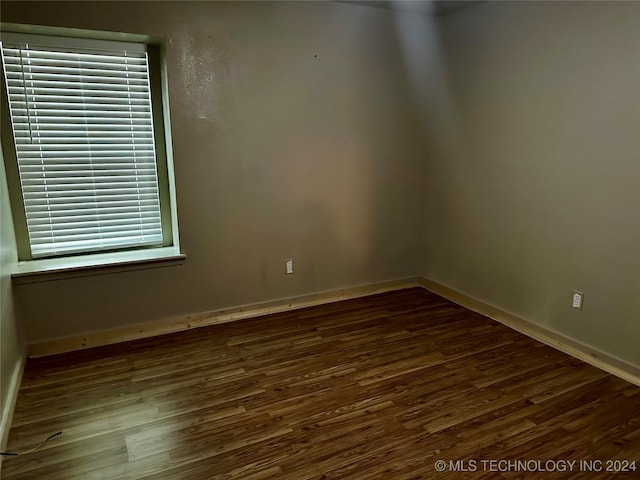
{"x":587,"y":354}
{"x":8,"y":408}
{"x":214,"y":317}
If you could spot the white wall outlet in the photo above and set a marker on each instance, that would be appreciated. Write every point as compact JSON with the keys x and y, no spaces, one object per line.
{"x":289,"y":266}
{"x":577,"y":299}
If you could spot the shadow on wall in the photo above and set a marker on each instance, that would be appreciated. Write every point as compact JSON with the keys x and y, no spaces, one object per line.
{"x":452,"y":217}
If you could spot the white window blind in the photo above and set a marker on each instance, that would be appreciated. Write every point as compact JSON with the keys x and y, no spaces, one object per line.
{"x":83,"y":131}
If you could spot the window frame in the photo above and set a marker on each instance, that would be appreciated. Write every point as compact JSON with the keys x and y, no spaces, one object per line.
{"x":163,"y":147}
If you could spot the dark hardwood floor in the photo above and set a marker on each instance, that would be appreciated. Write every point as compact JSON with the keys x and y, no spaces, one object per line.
{"x":379,"y":387}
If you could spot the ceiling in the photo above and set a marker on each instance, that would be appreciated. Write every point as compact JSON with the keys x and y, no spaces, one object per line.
{"x":432,"y":8}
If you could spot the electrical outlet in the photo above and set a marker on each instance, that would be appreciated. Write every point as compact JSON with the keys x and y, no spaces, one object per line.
{"x":289,"y":266}
{"x":577,"y":299}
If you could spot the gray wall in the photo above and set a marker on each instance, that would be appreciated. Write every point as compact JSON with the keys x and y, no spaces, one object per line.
{"x":293,"y":138}
{"x":497,"y":154}
{"x":534,"y":170}
{"x":11,"y":341}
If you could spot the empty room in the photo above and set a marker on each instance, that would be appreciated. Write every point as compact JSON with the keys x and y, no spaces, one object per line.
{"x":320,"y":239}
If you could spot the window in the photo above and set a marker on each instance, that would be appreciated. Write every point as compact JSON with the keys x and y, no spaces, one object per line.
{"x":87,"y":146}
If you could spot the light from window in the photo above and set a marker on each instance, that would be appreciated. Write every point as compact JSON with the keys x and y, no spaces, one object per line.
{"x":83,"y":132}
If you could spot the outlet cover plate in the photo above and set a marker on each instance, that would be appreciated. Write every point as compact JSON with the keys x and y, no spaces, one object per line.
{"x":577,"y":300}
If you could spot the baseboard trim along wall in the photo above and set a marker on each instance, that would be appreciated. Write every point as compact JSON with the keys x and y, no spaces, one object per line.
{"x":8,"y":408}
{"x":572,"y":347}
{"x":177,"y":324}
{"x":599,"y":359}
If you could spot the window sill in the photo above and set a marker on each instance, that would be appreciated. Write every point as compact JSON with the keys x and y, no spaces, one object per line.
{"x":52,"y":269}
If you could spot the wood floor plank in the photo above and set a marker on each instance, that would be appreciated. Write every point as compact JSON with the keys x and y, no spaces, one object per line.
{"x":378,"y":387}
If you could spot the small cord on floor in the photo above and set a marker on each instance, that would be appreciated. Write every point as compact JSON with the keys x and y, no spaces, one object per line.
{"x":11,"y":454}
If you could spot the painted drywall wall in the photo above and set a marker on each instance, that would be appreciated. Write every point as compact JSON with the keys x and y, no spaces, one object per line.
{"x":534,"y":165}
{"x":296,"y":134}
{"x":294,"y":137}
{"x":11,"y":340}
